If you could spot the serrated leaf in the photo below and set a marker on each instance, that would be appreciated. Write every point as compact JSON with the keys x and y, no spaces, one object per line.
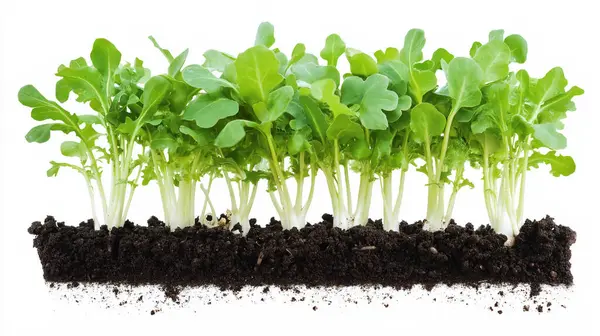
{"x":324,"y":91}
{"x":560,"y":165}
{"x":390,"y":54}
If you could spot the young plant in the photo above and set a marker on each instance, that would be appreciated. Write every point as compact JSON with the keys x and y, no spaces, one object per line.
{"x":120,"y":109}
{"x":517,"y":128}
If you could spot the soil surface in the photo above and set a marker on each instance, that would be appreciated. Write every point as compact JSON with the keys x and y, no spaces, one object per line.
{"x":316,"y":255}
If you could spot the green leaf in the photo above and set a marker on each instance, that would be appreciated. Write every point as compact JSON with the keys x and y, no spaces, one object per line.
{"x":155,"y":91}
{"x":105,"y":57}
{"x":352,"y":90}
{"x":44,"y":109}
{"x":426,"y":122}
{"x":257,"y":72}
{"x":334,"y":48}
{"x":265,"y":35}
{"x":276,"y":105}
{"x":87,"y":84}
{"x":464,"y":77}
{"x":165,"y":52}
{"x":560,"y":165}
{"x":361,"y":64}
{"x":551,"y":85}
{"x":493,"y":58}
{"x":324,"y":91}
{"x":201,"y":138}
{"x":201,"y":78}
{"x":53,"y":171}
{"x":518,"y":48}
{"x":376,"y":99}
{"x":398,"y":73}
{"x":233,"y":133}
{"x":206,"y":111}
{"x":216,"y":60}
{"x":162,"y":140}
{"x":390,"y":54}
{"x":297,"y":143}
{"x":315,"y":118}
{"x":73,"y":149}
{"x":439,"y":55}
{"x":496,"y":35}
{"x":412,"y":52}
{"x":549,"y":136}
{"x":177,"y":63}
{"x":298,"y":52}
{"x":474,"y":47}
{"x":311,"y":72}
{"x":344,"y":129}
{"x":39,"y":134}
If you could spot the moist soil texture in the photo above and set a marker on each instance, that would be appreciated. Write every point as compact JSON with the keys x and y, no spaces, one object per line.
{"x":316,"y":255}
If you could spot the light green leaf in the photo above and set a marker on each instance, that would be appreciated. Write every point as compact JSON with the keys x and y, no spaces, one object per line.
{"x":162,"y":140}
{"x":324,"y":91}
{"x":439,"y":55}
{"x":177,"y":63}
{"x":233,"y":133}
{"x":344,"y":129}
{"x":352,"y":90}
{"x":201,"y":78}
{"x":496,"y":35}
{"x":44,"y":109}
{"x":474,"y":47}
{"x":217,"y":60}
{"x":376,"y":99}
{"x":361,"y":64}
{"x":315,"y":118}
{"x":277,"y":104}
{"x":105,"y":57}
{"x":201,"y":138}
{"x":390,"y":54}
{"x":206,"y":111}
{"x":549,"y":136}
{"x":426,"y":122}
{"x":165,"y":52}
{"x":298,"y":52}
{"x":257,"y":73}
{"x":412,"y":52}
{"x":464,"y":77}
{"x":311,"y":72}
{"x":39,"y":134}
{"x":155,"y":91}
{"x":518,"y":48}
{"x":560,"y":165}
{"x":493,"y":58}
{"x":265,"y":35}
{"x":398,"y":73}
{"x":73,"y":149}
{"x":334,"y":48}
{"x":552,"y":84}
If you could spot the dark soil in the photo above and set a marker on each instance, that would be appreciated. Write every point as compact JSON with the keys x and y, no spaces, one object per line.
{"x":315,"y":255}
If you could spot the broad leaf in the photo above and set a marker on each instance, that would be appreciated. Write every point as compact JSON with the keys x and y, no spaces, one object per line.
{"x":426,"y":122}
{"x":206,"y":111}
{"x":334,"y":48}
{"x":265,"y":35}
{"x":464,"y":77}
{"x":257,"y":73}
{"x":233,"y":133}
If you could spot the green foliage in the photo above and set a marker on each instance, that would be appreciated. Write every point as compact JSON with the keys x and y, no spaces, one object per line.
{"x":268,"y":115}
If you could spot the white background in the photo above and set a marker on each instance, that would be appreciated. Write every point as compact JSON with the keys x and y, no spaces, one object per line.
{"x":37,"y":36}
